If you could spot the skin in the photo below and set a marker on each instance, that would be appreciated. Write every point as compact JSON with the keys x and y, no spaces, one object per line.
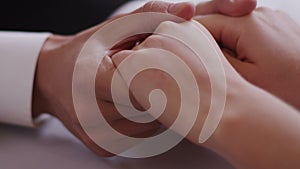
{"x":53,"y":82}
{"x":257,"y":130}
{"x":274,"y":65}
{"x":52,"y":87}
{"x":226,"y":7}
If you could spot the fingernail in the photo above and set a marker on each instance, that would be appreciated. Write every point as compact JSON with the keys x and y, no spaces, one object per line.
{"x":176,"y":8}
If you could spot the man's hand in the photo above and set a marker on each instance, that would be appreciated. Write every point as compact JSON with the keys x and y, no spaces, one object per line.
{"x":53,"y":83}
{"x":264,"y":48}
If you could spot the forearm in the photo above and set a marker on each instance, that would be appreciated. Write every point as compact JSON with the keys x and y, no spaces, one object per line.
{"x":262,"y":132}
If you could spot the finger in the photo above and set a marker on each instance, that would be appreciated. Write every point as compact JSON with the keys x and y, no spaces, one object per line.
{"x":117,"y":59}
{"x":106,"y":69}
{"x":133,"y":129}
{"x":225,"y":30}
{"x":153,"y":41}
{"x":226,"y":7}
{"x":146,"y":80}
{"x":103,"y":83}
{"x":112,"y":111}
{"x":185,"y":10}
{"x":122,"y":124}
{"x":109,"y":110}
{"x":245,"y":69}
{"x":150,"y":79}
{"x":120,"y":56}
{"x":176,"y":47}
{"x":129,"y":43}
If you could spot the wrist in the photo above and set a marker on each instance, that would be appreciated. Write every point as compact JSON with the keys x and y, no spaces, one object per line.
{"x":254,"y":128}
{"x":40,"y":99}
{"x":239,"y":100}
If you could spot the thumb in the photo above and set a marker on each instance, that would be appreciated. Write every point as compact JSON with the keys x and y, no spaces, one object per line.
{"x":226,"y":30}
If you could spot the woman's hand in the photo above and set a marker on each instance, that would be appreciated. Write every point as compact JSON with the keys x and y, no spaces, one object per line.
{"x":151,"y":79}
{"x":257,"y":129}
{"x":264,"y":47}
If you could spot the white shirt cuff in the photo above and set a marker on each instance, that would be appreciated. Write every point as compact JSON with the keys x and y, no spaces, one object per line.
{"x":19,"y":52}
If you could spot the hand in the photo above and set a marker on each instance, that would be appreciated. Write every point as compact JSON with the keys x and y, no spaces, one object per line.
{"x":151,"y":79}
{"x":254,"y":122}
{"x":53,"y":82}
{"x":52,"y":88}
{"x":263,"y":47}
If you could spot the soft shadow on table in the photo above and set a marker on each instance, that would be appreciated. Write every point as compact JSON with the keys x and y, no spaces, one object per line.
{"x":52,"y":146}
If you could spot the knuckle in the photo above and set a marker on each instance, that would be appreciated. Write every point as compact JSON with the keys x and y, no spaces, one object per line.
{"x":155,"y":6}
{"x":167,"y":25}
{"x":147,"y":6}
{"x":153,"y":41}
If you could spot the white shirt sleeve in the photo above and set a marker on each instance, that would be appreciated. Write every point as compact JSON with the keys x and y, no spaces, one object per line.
{"x":18,"y":57}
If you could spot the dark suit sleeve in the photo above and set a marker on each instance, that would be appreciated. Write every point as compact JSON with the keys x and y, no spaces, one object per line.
{"x":57,"y":16}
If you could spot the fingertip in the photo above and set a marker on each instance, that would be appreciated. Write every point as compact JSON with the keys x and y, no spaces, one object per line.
{"x":188,"y":12}
{"x":185,"y":10}
{"x":250,"y":5}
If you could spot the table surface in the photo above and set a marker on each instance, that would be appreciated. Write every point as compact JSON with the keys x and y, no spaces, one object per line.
{"x":52,"y":146}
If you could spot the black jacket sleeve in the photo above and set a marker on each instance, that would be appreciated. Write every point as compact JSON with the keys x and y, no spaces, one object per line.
{"x":57,"y":16}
